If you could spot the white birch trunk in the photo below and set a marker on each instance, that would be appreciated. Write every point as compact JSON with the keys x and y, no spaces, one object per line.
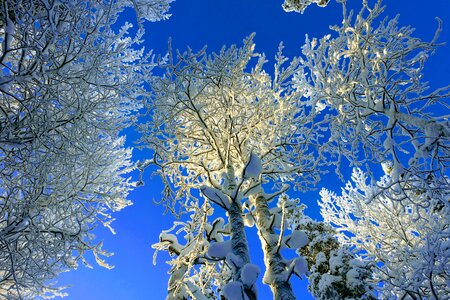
{"x":239,"y":244}
{"x":275,"y":275}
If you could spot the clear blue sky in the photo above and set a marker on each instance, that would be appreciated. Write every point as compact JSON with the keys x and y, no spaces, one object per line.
{"x":196,"y":23}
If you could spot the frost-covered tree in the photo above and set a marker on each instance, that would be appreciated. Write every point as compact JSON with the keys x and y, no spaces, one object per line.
{"x":197,"y":271}
{"x":67,"y":87}
{"x":367,"y":78}
{"x":226,"y":135}
{"x":221,"y":126}
{"x":410,"y":247}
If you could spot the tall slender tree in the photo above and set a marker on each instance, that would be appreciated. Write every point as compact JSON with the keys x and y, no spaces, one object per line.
{"x":224,"y":130}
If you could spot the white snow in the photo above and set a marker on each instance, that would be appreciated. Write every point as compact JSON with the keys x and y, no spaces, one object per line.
{"x":320,"y":106}
{"x":249,"y":221}
{"x":233,"y":291}
{"x":387,"y":166}
{"x":216,"y":196}
{"x":321,"y":258}
{"x":276,"y":220}
{"x":172,"y":239}
{"x":300,"y":265}
{"x":301,"y":5}
{"x":233,"y":260}
{"x":327,"y":280}
{"x":353,"y":279}
{"x":253,"y":169}
{"x":219,"y":249}
{"x":249,"y":274}
{"x":297,"y":239}
{"x":164,"y":236}
{"x":336,"y":262}
{"x":214,"y":228}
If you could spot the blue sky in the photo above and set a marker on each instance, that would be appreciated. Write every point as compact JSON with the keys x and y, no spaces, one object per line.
{"x":196,"y":23}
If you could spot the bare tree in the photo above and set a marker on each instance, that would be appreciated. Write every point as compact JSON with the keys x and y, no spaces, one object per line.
{"x":67,"y":87}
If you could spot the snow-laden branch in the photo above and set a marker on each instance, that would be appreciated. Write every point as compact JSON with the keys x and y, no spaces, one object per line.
{"x":301,"y":5}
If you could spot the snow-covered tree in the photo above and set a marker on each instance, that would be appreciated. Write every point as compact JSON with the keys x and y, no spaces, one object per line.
{"x":409,"y":246}
{"x":222,"y":129}
{"x":68,"y":84}
{"x":367,"y":77}
{"x":198,"y":271}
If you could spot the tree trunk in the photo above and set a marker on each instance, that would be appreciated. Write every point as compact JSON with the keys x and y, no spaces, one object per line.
{"x":275,"y":275}
{"x":239,"y":244}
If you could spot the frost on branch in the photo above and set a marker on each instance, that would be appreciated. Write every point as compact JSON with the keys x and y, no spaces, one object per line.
{"x":216,"y":196}
{"x":150,"y":10}
{"x":404,"y":230}
{"x":366,"y":80}
{"x":297,"y":239}
{"x":316,"y":248}
{"x":216,"y":123}
{"x":301,"y":5}
{"x":201,"y":259}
